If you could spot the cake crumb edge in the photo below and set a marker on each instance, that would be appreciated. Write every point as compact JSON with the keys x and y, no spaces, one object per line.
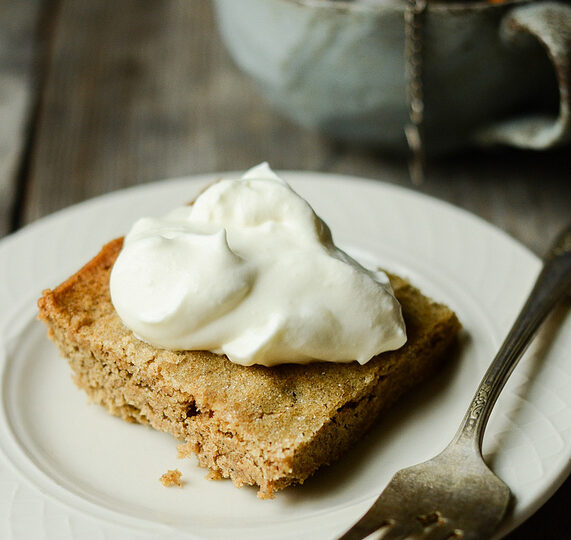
{"x":171,"y":478}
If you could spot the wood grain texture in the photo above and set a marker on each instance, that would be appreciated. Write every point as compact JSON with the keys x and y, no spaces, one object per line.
{"x":17,"y":30}
{"x":139,"y":90}
{"x":132,"y":99}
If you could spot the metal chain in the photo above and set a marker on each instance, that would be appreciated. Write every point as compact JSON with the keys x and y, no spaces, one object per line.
{"x":414,"y":17}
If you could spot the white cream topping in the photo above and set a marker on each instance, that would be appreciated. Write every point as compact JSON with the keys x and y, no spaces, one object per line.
{"x":249,"y":270}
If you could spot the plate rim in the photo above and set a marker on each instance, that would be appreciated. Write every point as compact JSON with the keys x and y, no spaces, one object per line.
{"x":293,"y":175}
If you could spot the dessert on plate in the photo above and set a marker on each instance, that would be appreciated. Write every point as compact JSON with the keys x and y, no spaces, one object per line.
{"x":237,"y":325}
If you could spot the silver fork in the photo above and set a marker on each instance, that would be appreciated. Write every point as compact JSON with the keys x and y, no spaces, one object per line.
{"x":455,"y":495}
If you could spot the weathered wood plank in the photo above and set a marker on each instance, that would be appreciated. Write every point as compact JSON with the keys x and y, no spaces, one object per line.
{"x":18,"y":20}
{"x":527,"y":194}
{"x":142,"y":90}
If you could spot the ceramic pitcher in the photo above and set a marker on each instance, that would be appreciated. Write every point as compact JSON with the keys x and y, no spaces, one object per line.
{"x":491,"y":72}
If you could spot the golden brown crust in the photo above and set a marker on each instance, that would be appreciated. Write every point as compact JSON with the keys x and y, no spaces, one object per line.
{"x":269,"y":427}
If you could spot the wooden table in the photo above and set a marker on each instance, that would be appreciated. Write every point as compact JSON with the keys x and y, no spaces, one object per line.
{"x":96,"y":96}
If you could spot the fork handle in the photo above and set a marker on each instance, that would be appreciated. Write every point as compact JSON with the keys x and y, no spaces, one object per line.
{"x":552,"y":284}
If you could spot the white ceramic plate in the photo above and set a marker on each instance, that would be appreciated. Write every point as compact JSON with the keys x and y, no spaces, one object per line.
{"x":69,"y":470}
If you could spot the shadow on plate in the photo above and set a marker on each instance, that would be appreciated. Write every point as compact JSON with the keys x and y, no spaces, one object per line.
{"x":331,"y":480}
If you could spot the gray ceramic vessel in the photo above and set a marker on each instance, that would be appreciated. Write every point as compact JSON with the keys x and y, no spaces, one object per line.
{"x":492,"y":73}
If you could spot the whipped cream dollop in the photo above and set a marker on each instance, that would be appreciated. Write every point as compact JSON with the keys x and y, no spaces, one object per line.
{"x":249,"y":270}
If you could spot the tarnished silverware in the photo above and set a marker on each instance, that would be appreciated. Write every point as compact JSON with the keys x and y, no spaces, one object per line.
{"x":455,"y":495}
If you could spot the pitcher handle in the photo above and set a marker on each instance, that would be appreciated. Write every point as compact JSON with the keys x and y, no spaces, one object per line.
{"x":550,"y":24}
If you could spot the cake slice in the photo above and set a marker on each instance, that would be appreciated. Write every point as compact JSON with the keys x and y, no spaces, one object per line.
{"x":269,"y":427}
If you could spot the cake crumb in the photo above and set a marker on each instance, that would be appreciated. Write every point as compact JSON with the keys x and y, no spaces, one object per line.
{"x":171,"y":478}
{"x":187,"y":449}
